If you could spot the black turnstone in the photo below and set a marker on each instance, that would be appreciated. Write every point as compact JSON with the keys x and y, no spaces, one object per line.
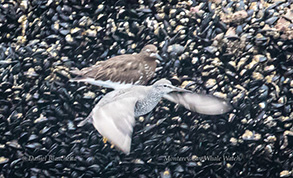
{"x":136,"y":101}
{"x":123,"y":70}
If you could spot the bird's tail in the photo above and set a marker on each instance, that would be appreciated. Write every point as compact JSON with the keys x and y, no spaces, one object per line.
{"x":78,"y":77}
{"x":76,"y":71}
{"x":86,"y":120}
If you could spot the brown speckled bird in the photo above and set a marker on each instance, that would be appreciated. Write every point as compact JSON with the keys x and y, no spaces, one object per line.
{"x":121,"y":71}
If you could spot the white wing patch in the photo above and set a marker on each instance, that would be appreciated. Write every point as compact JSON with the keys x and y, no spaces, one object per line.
{"x":115,"y":121}
{"x":106,"y":84}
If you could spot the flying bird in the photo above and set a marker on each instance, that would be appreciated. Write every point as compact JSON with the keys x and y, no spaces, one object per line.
{"x":114,"y":115}
{"x":121,"y":71}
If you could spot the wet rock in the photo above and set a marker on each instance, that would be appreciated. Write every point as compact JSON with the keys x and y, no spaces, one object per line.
{"x":237,"y":50}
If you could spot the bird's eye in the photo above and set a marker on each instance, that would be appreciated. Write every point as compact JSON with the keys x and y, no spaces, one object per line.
{"x":165,"y":85}
{"x":148,"y":50}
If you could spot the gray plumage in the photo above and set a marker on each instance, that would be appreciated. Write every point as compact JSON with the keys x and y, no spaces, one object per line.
{"x":114,"y":115}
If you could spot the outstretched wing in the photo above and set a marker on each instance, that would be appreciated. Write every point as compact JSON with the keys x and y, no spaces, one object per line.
{"x":115,"y":121}
{"x":203,"y":104}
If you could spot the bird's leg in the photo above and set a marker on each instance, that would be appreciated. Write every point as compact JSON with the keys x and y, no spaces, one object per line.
{"x":105,"y":140}
{"x":148,"y":116}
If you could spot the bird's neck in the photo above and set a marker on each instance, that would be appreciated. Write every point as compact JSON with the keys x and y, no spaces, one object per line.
{"x":151,"y":63}
{"x":148,"y":103}
{"x":155,"y":94}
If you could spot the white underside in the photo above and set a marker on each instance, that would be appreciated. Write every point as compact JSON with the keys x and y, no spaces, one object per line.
{"x":106,"y":84}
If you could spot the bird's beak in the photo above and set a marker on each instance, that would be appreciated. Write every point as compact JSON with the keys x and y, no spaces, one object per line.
{"x":157,"y":56}
{"x":177,"y":89}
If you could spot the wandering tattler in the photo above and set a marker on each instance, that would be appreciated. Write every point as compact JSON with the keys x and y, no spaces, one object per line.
{"x":114,"y":115}
{"x":127,"y":69}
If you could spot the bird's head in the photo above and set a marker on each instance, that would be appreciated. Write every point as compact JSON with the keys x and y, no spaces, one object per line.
{"x":164,"y":86}
{"x":151,"y":52}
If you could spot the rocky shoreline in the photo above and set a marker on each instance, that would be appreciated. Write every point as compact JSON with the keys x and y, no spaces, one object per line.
{"x":237,"y":50}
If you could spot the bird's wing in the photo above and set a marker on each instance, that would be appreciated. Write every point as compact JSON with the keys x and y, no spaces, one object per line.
{"x":125,"y":70}
{"x":105,"y":100}
{"x":115,"y":121}
{"x":201,"y":103}
{"x":86,"y":120}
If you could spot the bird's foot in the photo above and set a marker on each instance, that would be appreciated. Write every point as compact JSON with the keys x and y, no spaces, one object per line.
{"x":105,"y":140}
